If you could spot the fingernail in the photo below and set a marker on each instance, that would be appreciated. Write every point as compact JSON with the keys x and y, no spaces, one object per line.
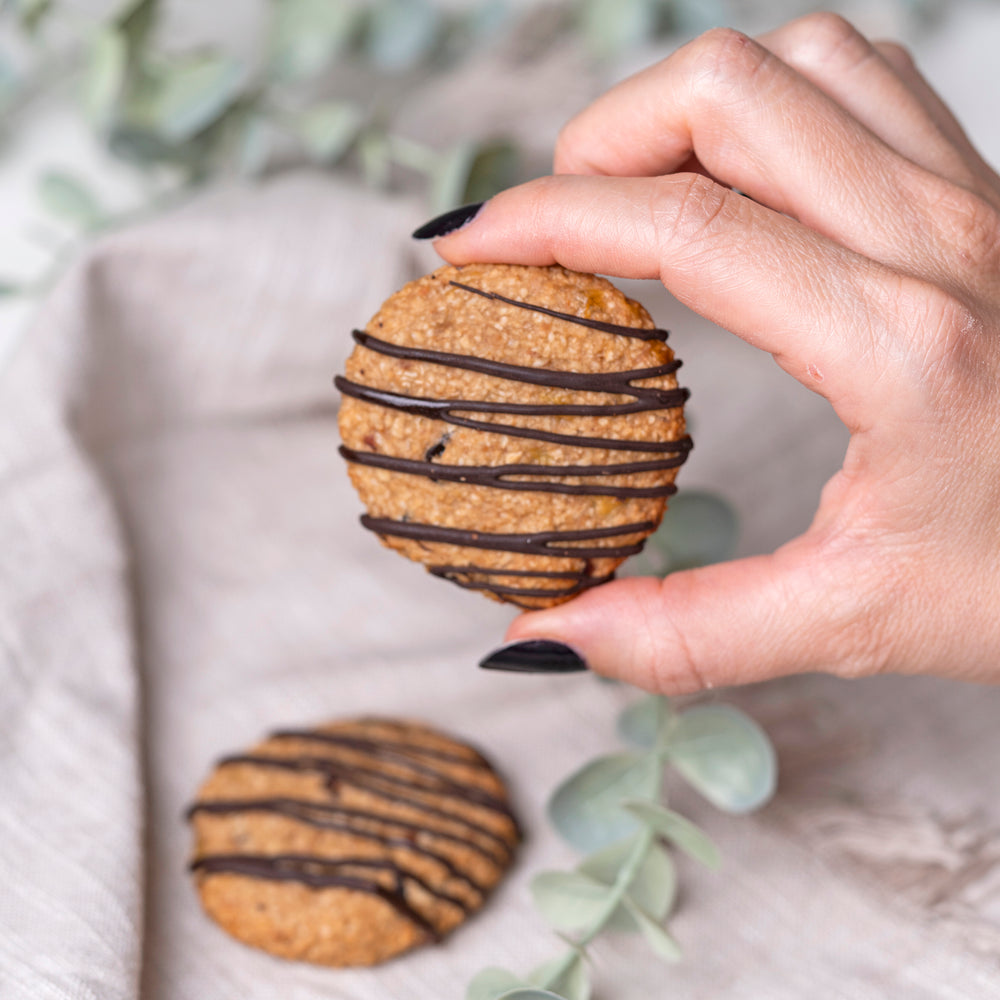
{"x":534,"y":656}
{"x":441,"y":225}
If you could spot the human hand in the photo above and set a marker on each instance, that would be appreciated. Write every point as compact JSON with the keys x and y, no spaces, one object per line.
{"x":867,"y":262}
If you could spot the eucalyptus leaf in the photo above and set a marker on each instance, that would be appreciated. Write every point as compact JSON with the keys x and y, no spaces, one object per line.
{"x":586,"y":808}
{"x":679,"y":830}
{"x":401,"y":33}
{"x":307,"y":35}
{"x":641,"y":723}
{"x":529,"y":993}
{"x":136,"y":21}
{"x":485,"y":19}
{"x":255,"y":146}
{"x":450,"y":176}
{"x":32,"y":13}
{"x":69,"y":198}
{"x":656,"y":936}
{"x":565,"y":976}
{"x":10,"y":289}
{"x":698,"y":529}
{"x":194,"y":92}
{"x":328,"y":129}
{"x":696,"y":16}
{"x":653,"y":887}
{"x":494,"y":167}
{"x":724,"y":755}
{"x":8,"y":83}
{"x":569,"y":900}
{"x":374,"y":154}
{"x":492,"y":983}
{"x":105,"y":75}
{"x":611,"y":27}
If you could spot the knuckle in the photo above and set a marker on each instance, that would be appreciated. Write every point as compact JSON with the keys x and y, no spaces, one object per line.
{"x":865,"y":587}
{"x":569,"y":156}
{"x":896,"y":55}
{"x":826,"y":40}
{"x":942,"y":328}
{"x":684,"y":209}
{"x":724,"y":61}
{"x":971,"y":225}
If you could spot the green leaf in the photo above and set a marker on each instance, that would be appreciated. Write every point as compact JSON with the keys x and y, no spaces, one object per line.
{"x":611,"y":27}
{"x":136,"y":21}
{"x":401,"y":33}
{"x":656,"y":936}
{"x":530,"y":993}
{"x":328,"y":129}
{"x":307,"y":35}
{"x":105,"y":75}
{"x":373,"y":153}
{"x":586,"y":808}
{"x":698,"y":529}
{"x":449,"y":177}
{"x":641,"y":722}
{"x":569,"y":900}
{"x":724,"y":755}
{"x":494,"y":168}
{"x":566,"y":978}
{"x":254,"y":146}
{"x":32,"y":13}
{"x":653,"y":887}
{"x":492,"y":983}
{"x":194,"y":92}
{"x":70,"y":199}
{"x":10,"y":289}
{"x":679,"y":830}
{"x":696,"y":16}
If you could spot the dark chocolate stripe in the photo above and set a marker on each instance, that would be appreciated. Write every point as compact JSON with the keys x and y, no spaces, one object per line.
{"x":497,"y":475}
{"x":319,"y":873}
{"x":443,"y":410}
{"x":580,"y":583}
{"x":385,"y":749}
{"x":527,"y":477}
{"x":440,"y":782}
{"x":615,"y":383}
{"x":358,"y":777}
{"x":537,"y":543}
{"x":593,"y":324}
{"x":352,"y":821}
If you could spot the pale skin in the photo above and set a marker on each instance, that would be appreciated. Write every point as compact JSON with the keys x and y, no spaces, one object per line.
{"x":866,"y":260}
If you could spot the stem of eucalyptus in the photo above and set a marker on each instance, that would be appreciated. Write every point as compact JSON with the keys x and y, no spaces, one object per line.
{"x":626,"y":874}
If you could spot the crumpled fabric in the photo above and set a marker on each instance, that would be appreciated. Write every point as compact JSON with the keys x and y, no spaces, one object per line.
{"x":182,"y":570}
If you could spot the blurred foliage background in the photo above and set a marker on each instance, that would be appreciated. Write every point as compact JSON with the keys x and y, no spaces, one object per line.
{"x":181,"y":94}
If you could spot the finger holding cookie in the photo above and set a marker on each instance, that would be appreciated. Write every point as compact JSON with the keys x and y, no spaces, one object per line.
{"x":865,"y":259}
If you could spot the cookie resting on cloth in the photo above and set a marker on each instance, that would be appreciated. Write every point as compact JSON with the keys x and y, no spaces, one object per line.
{"x":516,"y":429}
{"x":350,"y":843}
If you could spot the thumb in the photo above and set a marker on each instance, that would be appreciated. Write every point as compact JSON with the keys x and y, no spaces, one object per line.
{"x":731,"y":623}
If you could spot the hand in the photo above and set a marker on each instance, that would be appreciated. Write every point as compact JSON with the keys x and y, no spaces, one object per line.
{"x":867,"y":261}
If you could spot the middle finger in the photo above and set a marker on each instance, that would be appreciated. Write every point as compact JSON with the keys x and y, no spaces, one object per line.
{"x":757,"y":125}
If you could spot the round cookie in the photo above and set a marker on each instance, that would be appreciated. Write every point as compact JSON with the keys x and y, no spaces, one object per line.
{"x":516,"y":429}
{"x":349,"y":843}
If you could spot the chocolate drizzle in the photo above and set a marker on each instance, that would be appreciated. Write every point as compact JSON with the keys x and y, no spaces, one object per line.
{"x":420,"y":814}
{"x":588,"y":479}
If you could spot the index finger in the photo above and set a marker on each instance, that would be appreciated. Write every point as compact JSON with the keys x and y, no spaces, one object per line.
{"x":813,"y":304}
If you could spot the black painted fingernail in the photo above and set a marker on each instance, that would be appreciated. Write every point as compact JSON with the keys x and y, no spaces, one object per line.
{"x":535,"y":656}
{"x":441,"y":225}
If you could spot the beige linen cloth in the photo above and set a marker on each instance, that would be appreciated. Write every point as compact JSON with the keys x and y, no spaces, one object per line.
{"x":181,"y":569}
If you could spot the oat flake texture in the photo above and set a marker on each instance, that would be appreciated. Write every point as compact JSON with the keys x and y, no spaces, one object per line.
{"x":515,"y":429}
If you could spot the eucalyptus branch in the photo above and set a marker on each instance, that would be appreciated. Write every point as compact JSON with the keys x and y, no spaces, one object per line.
{"x":615,"y":809}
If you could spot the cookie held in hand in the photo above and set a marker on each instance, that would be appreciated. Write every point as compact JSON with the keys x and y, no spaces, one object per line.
{"x":350,"y":843}
{"x":516,"y":429}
